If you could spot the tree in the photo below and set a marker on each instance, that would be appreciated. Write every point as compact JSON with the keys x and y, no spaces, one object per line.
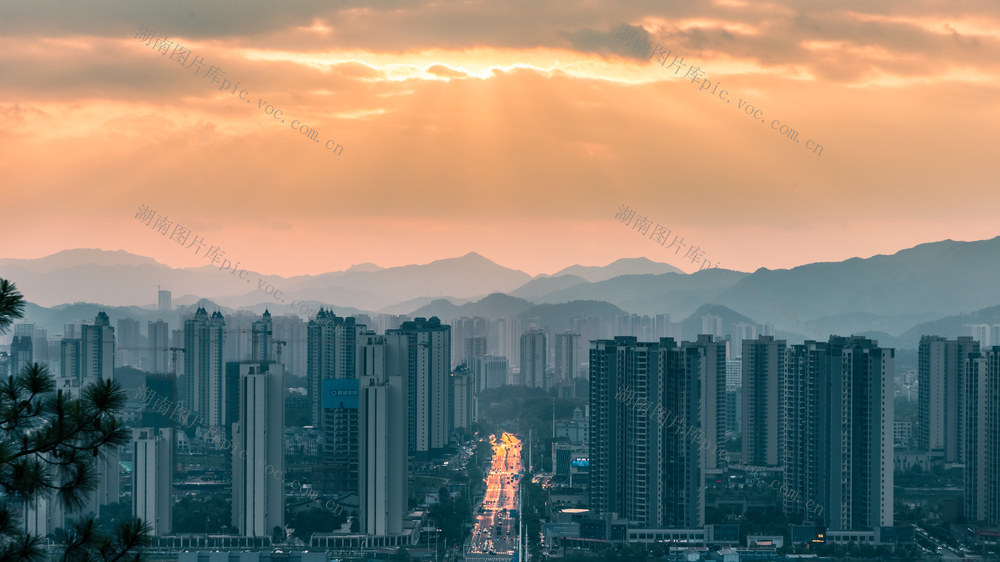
{"x":50,"y":443}
{"x":451,"y":515}
{"x":203,"y":514}
{"x":11,"y":304}
{"x":315,"y":520}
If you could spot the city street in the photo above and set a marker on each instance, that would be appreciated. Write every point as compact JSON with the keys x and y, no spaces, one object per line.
{"x":496,"y":529}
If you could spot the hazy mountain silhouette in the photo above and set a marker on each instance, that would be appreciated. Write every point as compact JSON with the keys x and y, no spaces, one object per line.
{"x":624,"y":266}
{"x":925,"y":289}
{"x":497,"y":305}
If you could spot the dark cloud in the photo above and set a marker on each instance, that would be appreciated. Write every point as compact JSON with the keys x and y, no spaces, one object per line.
{"x":783,"y":28}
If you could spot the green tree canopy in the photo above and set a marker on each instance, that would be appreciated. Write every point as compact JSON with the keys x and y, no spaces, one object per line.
{"x":50,"y":443}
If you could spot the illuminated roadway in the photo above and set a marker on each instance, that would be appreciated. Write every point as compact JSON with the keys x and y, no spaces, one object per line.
{"x":496,"y":531}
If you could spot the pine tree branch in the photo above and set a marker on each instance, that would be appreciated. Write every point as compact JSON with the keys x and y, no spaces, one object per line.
{"x":11,"y":304}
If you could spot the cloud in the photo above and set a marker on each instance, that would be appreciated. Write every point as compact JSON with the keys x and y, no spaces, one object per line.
{"x":445,"y":72}
{"x":504,"y":111}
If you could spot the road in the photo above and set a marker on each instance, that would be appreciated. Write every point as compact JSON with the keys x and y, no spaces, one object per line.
{"x":496,"y":529}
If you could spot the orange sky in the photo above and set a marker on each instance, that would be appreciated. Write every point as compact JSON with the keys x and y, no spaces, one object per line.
{"x":513,"y":129}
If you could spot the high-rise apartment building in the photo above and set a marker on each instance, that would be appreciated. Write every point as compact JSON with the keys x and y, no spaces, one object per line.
{"x":734,"y":373}
{"x":663,"y":327}
{"x":239,"y":336}
{"x":428,"y":370}
{"x":508,"y":339}
{"x":22,"y":347}
{"x":940,"y":403}
{"x":97,"y":350}
{"x":158,"y":337}
{"x":290,"y":343}
{"x":382,"y":407}
{"x":533,"y":357}
{"x":320,"y":363}
{"x":711,"y":376}
{"x":641,"y":469}
{"x":129,"y":352}
{"x":609,"y":428}
{"x":259,"y":450}
{"x":982,"y":436}
{"x":491,"y":371}
{"x":152,"y":477}
{"x":763,"y":401}
{"x":642,"y":327}
{"x":330,"y":354}
{"x":464,"y":328}
{"x":40,"y":346}
{"x":568,"y":354}
{"x":685,"y":372}
{"x":463,"y":399}
{"x":204,"y":381}
{"x":711,"y":324}
{"x":163,"y":300}
{"x":70,"y":359}
{"x":73,"y":330}
{"x":260,"y":343}
{"x":333,"y":385}
{"x":107,"y":469}
{"x":43,"y":515}
{"x":839,"y":433}
{"x":340,"y":432}
{"x":386,"y":322}
{"x":743,"y":331}
{"x":590,"y":329}
{"x":475,"y":347}
{"x":981,"y":333}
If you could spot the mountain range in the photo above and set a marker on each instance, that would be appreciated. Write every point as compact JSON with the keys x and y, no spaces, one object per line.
{"x":935,"y":287}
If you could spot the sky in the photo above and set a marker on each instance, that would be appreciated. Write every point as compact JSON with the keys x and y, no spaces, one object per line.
{"x":515,"y":129}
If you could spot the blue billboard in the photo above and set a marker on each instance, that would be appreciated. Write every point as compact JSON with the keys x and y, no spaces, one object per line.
{"x":340,"y":393}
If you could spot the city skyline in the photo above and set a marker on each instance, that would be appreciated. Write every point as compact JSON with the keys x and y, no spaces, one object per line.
{"x":665,"y":403}
{"x":457,"y":280}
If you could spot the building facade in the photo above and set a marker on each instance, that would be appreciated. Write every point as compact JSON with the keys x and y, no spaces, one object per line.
{"x":382,"y":490}
{"x":643,"y":469}
{"x":533,"y":356}
{"x":763,"y":371}
{"x":839,"y":433}
{"x":153,"y":477}
{"x":97,"y":351}
{"x":204,"y":382}
{"x":259,"y":451}
{"x":940,"y":395}
{"x":428,"y":370}
{"x":567,"y":356}
{"x":982,"y":435}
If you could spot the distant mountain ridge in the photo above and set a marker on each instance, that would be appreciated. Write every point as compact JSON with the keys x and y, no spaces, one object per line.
{"x":936,"y":282}
{"x":119,"y":278}
{"x":624,"y":266}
